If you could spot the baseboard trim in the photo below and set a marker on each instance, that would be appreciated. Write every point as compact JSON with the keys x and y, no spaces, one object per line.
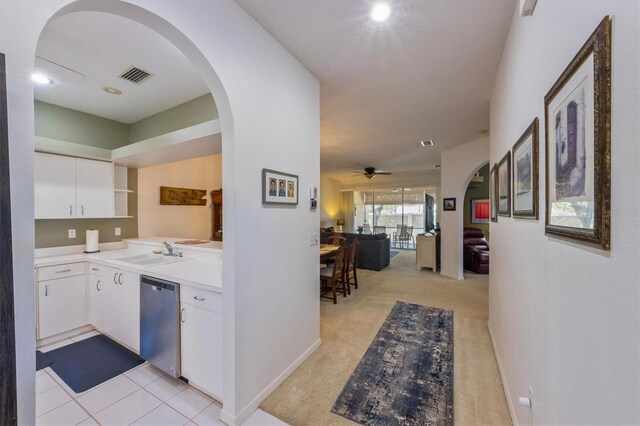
{"x":243,"y":415}
{"x":505,"y":385}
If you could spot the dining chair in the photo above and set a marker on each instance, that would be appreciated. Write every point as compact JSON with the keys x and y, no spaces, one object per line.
{"x":367,"y":228}
{"x":396,"y":234}
{"x":351,"y":265}
{"x":336,"y":239}
{"x":406,"y":236}
{"x":379,"y":229}
{"x":332,"y":276}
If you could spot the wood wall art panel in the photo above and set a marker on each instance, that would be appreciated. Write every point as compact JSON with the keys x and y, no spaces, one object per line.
{"x":182,"y":196}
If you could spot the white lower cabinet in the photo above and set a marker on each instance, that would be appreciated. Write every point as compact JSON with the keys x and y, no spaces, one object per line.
{"x":201,"y":339}
{"x":115,"y":304}
{"x":62,"y":302}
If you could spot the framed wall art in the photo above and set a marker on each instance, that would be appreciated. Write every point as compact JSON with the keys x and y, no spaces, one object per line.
{"x":525,"y":173}
{"x":578,"y":154}
{"x":504,"y":185}
{"x":449,"y":204}
{"x":480,"y":210}
{"x":279,"y":187}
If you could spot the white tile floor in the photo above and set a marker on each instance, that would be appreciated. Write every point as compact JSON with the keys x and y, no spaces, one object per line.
{"x":142,"y":396}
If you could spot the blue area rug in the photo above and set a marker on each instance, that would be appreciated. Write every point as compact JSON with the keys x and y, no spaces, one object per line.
{"x":393,"y":253}
{"x":87,"y":363}
{"x":406,"y":375}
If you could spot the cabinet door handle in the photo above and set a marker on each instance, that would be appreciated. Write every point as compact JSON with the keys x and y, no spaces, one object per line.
{"x":182,"y":315}
{"x":120,"y":279}
{"x":63,"y":271}
{"x":98,"y":285}
{"x":81,"y":210}
{"x":70,"y":210}
{"x":94,"y":269}
{"x":199,"y":299}
{"x":46,"y":290}
{"x":115,"y":278}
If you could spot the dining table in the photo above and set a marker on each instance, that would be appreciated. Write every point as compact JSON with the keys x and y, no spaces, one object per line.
{"x":328,"y":252}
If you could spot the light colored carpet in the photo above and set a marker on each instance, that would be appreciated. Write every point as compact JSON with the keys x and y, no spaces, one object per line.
{"x":348,"y":328}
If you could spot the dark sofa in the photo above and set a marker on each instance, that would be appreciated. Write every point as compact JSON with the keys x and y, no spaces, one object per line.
{"x":476,"y":251}
{"x":374,"y":250}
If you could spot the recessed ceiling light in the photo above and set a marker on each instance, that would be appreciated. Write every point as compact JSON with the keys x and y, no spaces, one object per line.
{"x":380,"y":12}
{"x":41,"y":78}
{"x":427,"y":142}
{"x":112,"y":90}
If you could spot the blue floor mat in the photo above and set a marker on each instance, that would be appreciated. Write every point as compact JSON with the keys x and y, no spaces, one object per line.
{"x":42,"y":360}
{"x":87,"y":363}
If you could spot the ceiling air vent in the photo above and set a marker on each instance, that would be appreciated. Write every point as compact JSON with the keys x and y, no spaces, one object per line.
{"x":135,"y":75}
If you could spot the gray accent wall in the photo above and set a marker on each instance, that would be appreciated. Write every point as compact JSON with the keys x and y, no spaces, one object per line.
{"x":196,"y":111}
{"x":54,"y":232}
{"x":55,"y":122}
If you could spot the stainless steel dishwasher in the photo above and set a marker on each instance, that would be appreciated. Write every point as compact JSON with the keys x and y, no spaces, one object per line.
{"x":159,"y":324}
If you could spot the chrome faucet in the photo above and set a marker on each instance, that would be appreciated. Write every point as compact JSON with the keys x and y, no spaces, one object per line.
{"x":169,"y":249}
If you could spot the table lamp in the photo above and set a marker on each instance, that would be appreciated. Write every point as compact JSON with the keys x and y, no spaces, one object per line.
{"x":340,"y":224}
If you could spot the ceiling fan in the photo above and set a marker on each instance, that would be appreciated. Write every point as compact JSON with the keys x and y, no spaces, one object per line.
{"x":370,"y":172}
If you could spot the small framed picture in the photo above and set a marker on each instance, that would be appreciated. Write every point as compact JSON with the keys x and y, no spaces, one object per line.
{"x":504,"y":185}
{"x":449,"y":204}
{"x":578,"y":138}
{"x":480,"y":210}
{"x":279,"y":187}
{"x":493,"y":192}
{"x":525,"y":173}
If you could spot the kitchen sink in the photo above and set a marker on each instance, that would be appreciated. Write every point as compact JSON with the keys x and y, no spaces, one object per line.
{"x":149,"y":259}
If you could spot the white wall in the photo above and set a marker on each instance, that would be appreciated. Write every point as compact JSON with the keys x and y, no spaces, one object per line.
{"x":155,"y":220}
{"x":269,"y":105}
{"x":564,"y":316}
{"x":458,"y":165}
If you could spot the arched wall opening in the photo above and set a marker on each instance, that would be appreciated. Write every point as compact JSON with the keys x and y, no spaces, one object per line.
{"x":459,"y":164}
{"x":205,"y":69}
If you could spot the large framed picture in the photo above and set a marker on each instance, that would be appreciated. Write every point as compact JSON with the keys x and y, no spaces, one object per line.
{"x":525,"y":173}
{"x":480,"y":210}
{"x":493,"y":192}
{"x":504,"y":185}
{"x":578,"y":154}
{"x":279,"y":187}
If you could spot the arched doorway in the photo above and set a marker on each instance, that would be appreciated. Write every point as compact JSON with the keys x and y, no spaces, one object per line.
{"x":202,"y":65}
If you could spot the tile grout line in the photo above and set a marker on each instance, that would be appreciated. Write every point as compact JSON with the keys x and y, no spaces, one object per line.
{"x":154,"y":408}
{"x":72,"y":400}
{"x":126,"y":396}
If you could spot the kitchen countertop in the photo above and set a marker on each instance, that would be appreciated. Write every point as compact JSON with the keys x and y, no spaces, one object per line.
{"x":209,"y":246}
{"x":196,"y":269}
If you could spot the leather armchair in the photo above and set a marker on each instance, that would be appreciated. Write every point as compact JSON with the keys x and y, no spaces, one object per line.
{"x":476,"y":251}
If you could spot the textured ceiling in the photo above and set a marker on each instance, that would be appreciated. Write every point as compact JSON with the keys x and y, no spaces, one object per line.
{"x":101,"y":46}
{"x":425,"y":73}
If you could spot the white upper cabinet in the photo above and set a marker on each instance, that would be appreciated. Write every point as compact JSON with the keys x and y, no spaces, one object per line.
{"x":94,"y":188}
{"x":67,"y":187}
{"x":55,"y":186}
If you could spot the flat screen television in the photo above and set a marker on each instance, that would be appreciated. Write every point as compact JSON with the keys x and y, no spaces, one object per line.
{"x":429,"y":213}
